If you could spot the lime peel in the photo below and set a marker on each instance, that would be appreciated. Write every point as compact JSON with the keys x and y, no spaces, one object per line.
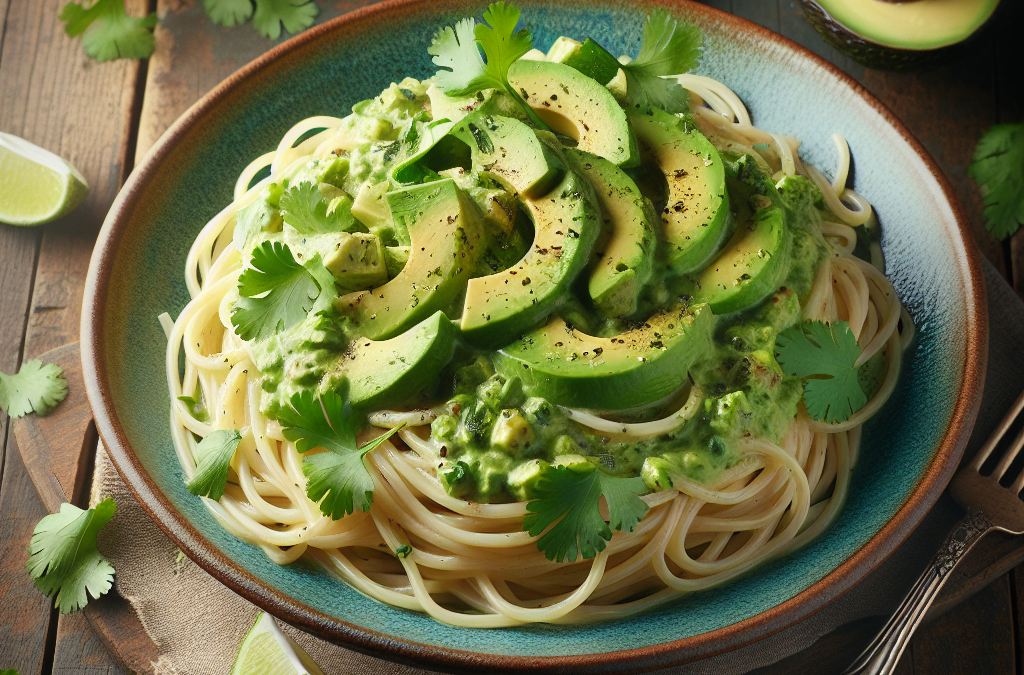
{"x":36,"y":186}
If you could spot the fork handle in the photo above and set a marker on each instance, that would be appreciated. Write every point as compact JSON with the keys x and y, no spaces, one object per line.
{"x":882,"y":655}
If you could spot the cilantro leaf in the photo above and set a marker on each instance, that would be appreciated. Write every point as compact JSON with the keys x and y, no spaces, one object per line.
{"x":63,"y":557}
{"x":295,"y":15}
{"x":305,"y":209}
{"x":109,"y":32}
{"x":337,"y":479}
{"x":276,"y":292}
{"x":215,"y":453}
{"x":571,"y":496}
{"x":825,"y":358}
{"x":463,"y":71}
{"x":228,"y":12}
{"x":998,"y":168}
{"x":668,"y":48}
{"x":36,"y":388}
{"x":9,"y":671}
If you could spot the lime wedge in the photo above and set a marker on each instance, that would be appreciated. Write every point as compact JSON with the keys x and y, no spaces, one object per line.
{"x":268,"y":651}
{"x":36,"y":186}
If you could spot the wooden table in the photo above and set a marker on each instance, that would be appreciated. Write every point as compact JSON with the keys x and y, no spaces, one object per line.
{"x":103,"y":118}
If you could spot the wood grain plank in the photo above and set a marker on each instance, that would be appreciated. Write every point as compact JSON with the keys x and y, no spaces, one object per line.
{"x":976,"y":639}
{"x":80,"y":652}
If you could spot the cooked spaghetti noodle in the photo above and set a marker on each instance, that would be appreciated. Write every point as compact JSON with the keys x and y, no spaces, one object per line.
{"x":471,"y":564}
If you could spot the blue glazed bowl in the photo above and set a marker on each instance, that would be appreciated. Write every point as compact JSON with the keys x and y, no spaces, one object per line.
{"x":910,"y":449}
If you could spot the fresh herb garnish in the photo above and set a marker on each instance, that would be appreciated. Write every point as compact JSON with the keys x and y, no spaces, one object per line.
{"x":304,"y":208}
{"x":63,"y":557}
{"x":228,"y":12}
{"x":463,"y":71}
{"x":668,"y":48}
{"x":337,"y":479}
{"x":998,"y":168}
{"x":403,"y":551}
{"x":571,"y":496}
{"x":276,"y":292}
{"x":196,"y":407}
{"x":109,"y":32}
{"x":825,"y":358}
{"x":37,"y":388}
{"x":295,"y":15}
{"x":215,"y":453}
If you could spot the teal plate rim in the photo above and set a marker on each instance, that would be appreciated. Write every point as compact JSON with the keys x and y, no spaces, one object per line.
{"x":246,"y":584}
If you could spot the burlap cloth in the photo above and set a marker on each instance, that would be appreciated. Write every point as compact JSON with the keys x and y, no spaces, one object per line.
{"x":198,"y":624}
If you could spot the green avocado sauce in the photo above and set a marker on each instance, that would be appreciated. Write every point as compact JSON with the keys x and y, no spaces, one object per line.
{"x":490,"y":430}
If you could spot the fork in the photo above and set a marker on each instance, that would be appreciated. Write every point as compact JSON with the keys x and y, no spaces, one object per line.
{"x":990,"y":506}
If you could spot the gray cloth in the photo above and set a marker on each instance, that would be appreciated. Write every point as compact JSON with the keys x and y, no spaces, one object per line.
{"x":172,"y":595}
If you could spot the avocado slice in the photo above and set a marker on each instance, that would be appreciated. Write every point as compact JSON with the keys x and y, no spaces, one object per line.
{"x":895,"y":36}
{"x":510,"y":151}
{"x":439,"y":223}
{"x":638,"y":367}
{"x":566,"y":226}
{"x":696,"y":216}
{"x":389,"y":372}
{"x":625,"y":258}
{"x":750,"y":267}
{"x":588,"y":57}
{"x":577,"y":106}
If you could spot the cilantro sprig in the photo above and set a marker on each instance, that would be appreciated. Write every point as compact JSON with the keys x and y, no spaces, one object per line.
{"x":463,"y":71}
{"x":64,"y":559}
{"x":215,"y":453}
{"x":108,"y":31}
{"x":569,"y":497}
{"x":277,"y":292}
{"x":305,"y":209}
{"x":37,"y":388}
{"x":337,"y":479}
{"x":825,"y":358}
{"x":668,"y":48}
{"x":998,"y":168}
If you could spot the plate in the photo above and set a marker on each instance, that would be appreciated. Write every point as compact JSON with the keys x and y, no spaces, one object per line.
{"x":910,"y":449}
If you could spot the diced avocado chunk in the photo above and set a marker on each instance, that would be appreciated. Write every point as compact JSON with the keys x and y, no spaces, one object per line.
{"x":395,"y":258}
{"x":577,"y":106}
{"x":657,"y":473}
{"x":390,"y":372}
{"x":357,"y":261}
{"x":522,"y":480}
{"x":371,"y":207}
{"x":750,"y":267}
{"x":510,"y":152}
{"x":503,"y":305}
{"x":695,"y":218}
{"x":625,"y":254}
{"x":441,"y":226}
{"x":511,"y":430}
{"x":589,"y":58}
{"x":635,"y":368}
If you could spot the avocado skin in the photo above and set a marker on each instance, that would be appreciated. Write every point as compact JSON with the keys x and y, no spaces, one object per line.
{"x":873,"y":54}
{"x":390,"y":372}
{"x":638,"y":367}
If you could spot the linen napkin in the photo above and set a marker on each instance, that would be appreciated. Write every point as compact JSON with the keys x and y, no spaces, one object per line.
{"x":198,"y":624}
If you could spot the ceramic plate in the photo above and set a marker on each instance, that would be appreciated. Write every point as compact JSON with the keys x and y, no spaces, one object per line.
{"x":909,"y":451}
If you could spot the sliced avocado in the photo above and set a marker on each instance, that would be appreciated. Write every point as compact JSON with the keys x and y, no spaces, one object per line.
{"x":635,"y":368}
{"x":427,"y":136}
{"x":566,"y":225}
{"x":577,"y":106}
{"x":510,"y":151}
{"x":389,"y":372}
{"x":750,"y":267}
{"x":455,"y":108}
{"x":589,"y":58}
{"x":896,"y":35}
{"x":625,"y":257}
{"x":444,"y":235}
{"x":696,"y":215}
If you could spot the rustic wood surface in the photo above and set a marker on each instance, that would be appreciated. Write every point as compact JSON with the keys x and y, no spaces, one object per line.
{"x":104,"y":117}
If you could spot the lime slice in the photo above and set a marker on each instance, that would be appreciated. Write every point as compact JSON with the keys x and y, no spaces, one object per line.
{"x":36,"y":186}
{"x":268,"y":651}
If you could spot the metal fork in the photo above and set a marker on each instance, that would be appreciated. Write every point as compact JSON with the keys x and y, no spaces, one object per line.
{"x":990,"y":506}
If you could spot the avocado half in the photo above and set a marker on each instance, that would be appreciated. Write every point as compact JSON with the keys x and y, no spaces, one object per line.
{"x":897,"y":35}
